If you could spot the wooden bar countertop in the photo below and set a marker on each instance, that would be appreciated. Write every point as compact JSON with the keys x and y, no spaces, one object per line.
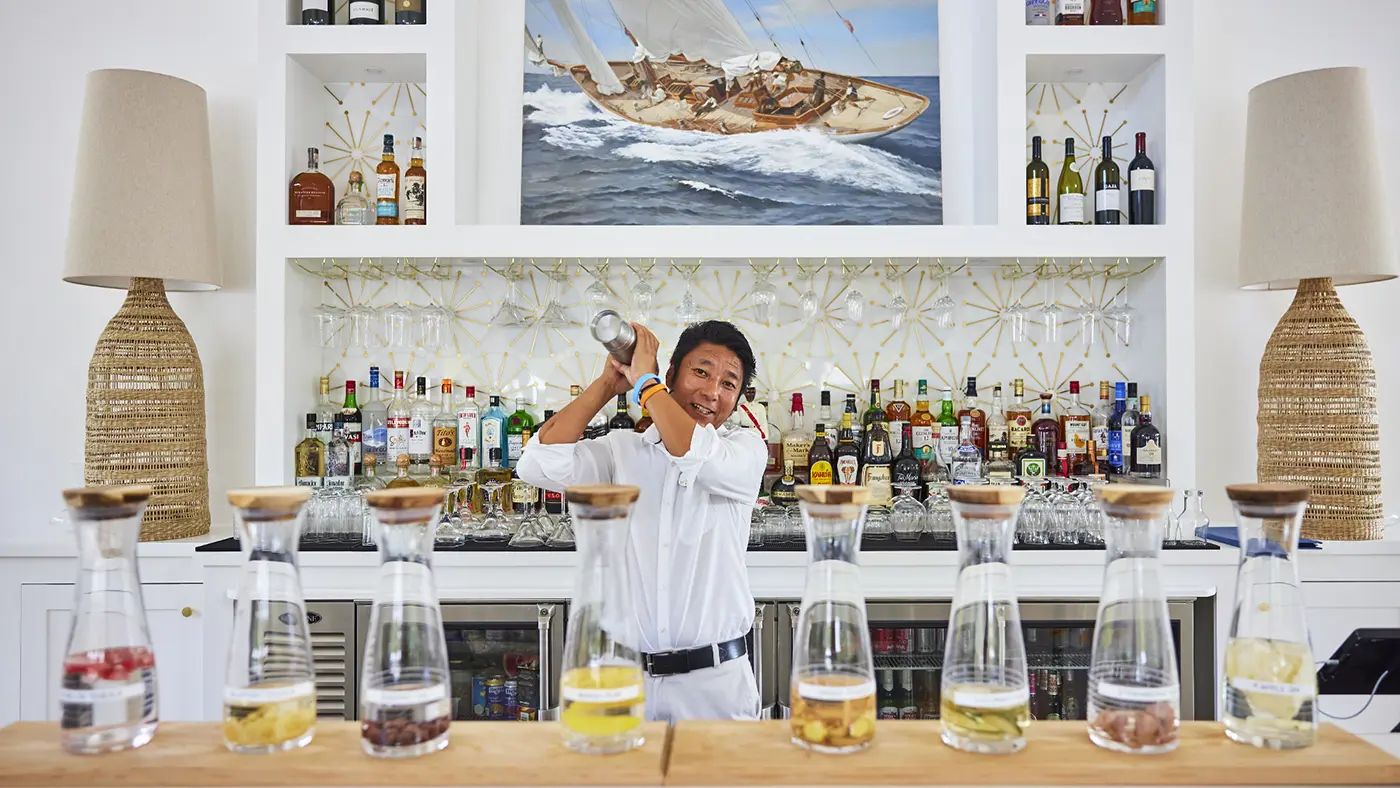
{"x":690,"y":753}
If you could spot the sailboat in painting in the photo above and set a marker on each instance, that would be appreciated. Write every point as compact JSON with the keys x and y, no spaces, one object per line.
{"x":696,"y":69}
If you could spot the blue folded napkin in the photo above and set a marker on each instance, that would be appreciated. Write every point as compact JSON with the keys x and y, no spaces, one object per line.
{"x":1229,"y":535}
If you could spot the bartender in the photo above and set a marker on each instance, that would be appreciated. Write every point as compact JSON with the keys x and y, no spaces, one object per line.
{"x":699,"y":480}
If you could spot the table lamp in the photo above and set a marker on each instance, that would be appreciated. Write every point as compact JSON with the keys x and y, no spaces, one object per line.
{"x":1315,"y":217}
{"x":143,"y":219}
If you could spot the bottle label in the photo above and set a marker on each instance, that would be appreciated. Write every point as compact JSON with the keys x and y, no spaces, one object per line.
{"x":846,"y":468}
{"x":923,"y":442}
{"x":1137,"y":694}
{"x":360,"y":9}
{"x":1017,"y":431}
{"x":820,"y":472}
{"x":947,"y":443}
{"x":1071,"y":208}
{"x":514,"y":443}
{"x":337,"y":482}
{"x":1144,"y":7}
{"x":897,"y":437}
{"x":389,"y":209}
{"x":835,"y":693}
{"x":997,"y":437}
{"x":909,"y":712}
{"x":1032,"y":468}
{"x":1143,"y":180}
{"x":877,"y":447}
{"x":1115,"y":448}
{"x":1077,"y":436}
{"x":468,"y":424}
{"x":889,"y":712}
{"x":877,"y":478}
{"x":257,"y":696}
{"x":1099,"y":435}
{"x":420,"y":440}
{"x":1071,"y":6}
{"x":308,"y":213}
{"x":388,"y":187}
{"x":796,"y":451}
{"x":966,"y":471}
{"x":1107,"y":199}
{"x":445,"y":444}
{"x":1006,"y":699}
{"x":490,"y":436}
{"x":315,"y":5}
{"x":523,"y":493}
{"x":1148,"y":454}
{"x":1037,"y":199}
{"x":415,"y":197}
{"x":309,"y":481}
{"x":397,"y":436}
{"x":608,"y":695}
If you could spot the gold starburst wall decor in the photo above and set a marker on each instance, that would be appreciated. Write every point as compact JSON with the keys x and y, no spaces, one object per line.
{"x":913,"y":314}
{"x":462,"y":312}
{"x":955,"y":379}
{"x":1093,"y":114}
{"x":360,"y":328}
{"x":500,"y":373}
{"x":999,"y":303}
{"x":856,"y":379}
{"x":358,"y":115}
{"x":821,"y":326}
{"x":574,"y":368}
{"x":774,"y":379}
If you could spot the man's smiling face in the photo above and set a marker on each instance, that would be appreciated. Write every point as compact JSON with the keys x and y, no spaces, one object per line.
{"x":706,"y":383}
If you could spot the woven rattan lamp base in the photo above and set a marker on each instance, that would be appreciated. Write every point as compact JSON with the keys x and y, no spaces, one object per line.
{"x":1317,"y":415}
{"x":145,"y":413}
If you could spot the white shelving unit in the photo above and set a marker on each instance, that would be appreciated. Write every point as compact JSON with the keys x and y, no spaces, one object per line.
{"x":468,"y":60}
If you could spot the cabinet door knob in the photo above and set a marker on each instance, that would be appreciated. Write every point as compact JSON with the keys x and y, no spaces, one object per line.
{"x":186,"y":611}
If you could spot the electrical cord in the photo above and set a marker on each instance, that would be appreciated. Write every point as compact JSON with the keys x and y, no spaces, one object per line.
{"x":1363,"y":708}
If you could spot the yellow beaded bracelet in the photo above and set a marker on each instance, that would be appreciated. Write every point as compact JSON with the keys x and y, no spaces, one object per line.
{"x":651,"y":391}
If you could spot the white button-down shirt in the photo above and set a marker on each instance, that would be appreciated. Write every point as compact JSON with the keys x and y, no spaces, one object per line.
{"x":690,"y":525}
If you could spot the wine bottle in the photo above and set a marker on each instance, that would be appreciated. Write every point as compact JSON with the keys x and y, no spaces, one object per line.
{"x":316,"y":12}
{"x":1107,"y":187}
{"x":410,"y":12}
{"x":1142,"y":186}
{"x":366,"y":12}
{"x":1107,"y":12}
{"x":1070,"y":12}
{"x":1071,"y":189}
{"x":1037,"y":187}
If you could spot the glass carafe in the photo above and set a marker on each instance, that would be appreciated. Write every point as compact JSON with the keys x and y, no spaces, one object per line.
{"x":107,"y":698}
{"x":602,"y":686}
{"x":1134,"y":689}
{"x":1270,"y":688}
{"x":405,"y":692}
{"x":833,"y":674}
{"x":985,"y":699}
{"x":269,"y":681}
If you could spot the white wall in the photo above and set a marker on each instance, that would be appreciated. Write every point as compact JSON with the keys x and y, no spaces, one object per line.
{"x":1239,"y":45}
{"x":50,"y":327}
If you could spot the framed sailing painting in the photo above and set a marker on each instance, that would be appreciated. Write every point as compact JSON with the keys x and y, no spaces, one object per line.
{"x":770,"y":112}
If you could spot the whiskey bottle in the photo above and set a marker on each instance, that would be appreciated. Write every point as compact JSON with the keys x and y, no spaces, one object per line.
{"x":644,"y":423}
{"x":874,"y":413}
{"x":1075,"y":423}
{"x":978,"y":416}
{"x":312,"y":195}
{"x":310,"y":456}
{"x":621,"y":420}
{"x":386,"y":194}
{"x":1107,"y":12}
{"x":1070,"y":12}
{"x":922,"y":422}
{"x":820,"y":469}
{"x":847,"y":466}
{"x":415,"y":186}
{"x":947,"y":429}
{"x":1098,"y":423}
{"x":1142,"y":12}
{"x":898,"y":414}
{"x":797,"y":441}
{"x":1147,"y":445}
{"x":355,"y":208}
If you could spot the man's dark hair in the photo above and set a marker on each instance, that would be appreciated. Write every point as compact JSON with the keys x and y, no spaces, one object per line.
{"x":716,"y":332}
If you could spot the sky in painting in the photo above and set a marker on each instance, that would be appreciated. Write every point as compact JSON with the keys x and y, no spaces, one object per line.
{"x":899,"y":37}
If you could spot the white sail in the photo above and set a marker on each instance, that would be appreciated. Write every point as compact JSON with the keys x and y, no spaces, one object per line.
{"x":592,"y":57}
{"x":699,"y":29}
{"x":534,"y":49}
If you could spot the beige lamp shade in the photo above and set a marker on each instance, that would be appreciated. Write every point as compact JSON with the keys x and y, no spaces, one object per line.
{"x":143,"y":195}
{"x":1314,"y":198}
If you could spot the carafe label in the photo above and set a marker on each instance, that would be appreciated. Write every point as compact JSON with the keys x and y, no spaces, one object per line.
{"x":1273,"y":687}
{"x":601,"y":695}
{"x":1005,"y":699}
{"x":838,"y":692}
{"x":1136,"y":694}
{"x":103,"y":694}
{"x":257,"y":696}
{"x":406,"y":697}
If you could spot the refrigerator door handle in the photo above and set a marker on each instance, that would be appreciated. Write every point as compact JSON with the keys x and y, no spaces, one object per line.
{"x":757,"y":652}
{"x":547,"y":700}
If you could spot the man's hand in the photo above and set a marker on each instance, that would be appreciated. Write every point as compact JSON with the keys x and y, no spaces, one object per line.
{"x":612,"y":380}
{"x":643,"y":357}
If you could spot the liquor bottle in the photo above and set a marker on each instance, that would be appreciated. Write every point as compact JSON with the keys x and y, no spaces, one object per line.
{"x":310,"y":456}
{"x":998,"y":436}
{"x":922,"y":422}
{"x":947,"y":430}
{"x":493,"y":470}
{"x":597,"y":426}
{"x":368,"y":480}
{"x":797,"y":441}
{"x":820,"y":459}
{"x":1131,"y":418}
{"x":1018,"y":416}
{"x":644,"y":423}
{"x":415,"y":186}
{"x":1107,"y":12}
{"x":1046,"y":429}
{"x":1053,"y":710}
{"x":366,"y":12}
{"x":908,"y":707}
{"x":402,"y":478}
{"x":435,"y":477}
{"x":325,"y":413}
{"x":1087,"y":464}
{"x":524,"y":497}
{"x":353,"y":425}
{"x":1107,"y":187}
{"x":1075,"y":423}
{"x":847,"y":466}
{"x":411,"y":12}
{"x":1142,"y":12}
{"x":887,"y":702}
{"x":857,"y":428}
{"x":469,"y":424}
{"x":312,"y":195}
{"x":784,"y":490}
{"x":1037,"y":184}
{"x":907,"y":470}
{"x":1098,"y":423}
{"x":1037,"y":12}
{"x":338,"y":456}
{"x":518,"y":424}
{"x":1064,"y":465}
{"x":355,"y":208}
{"x":493,"y":427}
{"x":876,"y":411}
{"x":1030,"y":463}
{"x":966,"y":467}
{"x":420,"y":429}
{"x":774,"y":438}
{"x":898,"y":414}
{"x":875,"y":461}
{"x":1070,"y":12}
{"x":621,"y":420}
{"x":1142,"y":184}
{"x":445,"y":427}
{"x":374,"y":435}
{"x":386,"y":193}
{"x":824,"y":414}
{"x":397,"y":422}
{"x":979,"y":416}
{"x":316,"y":12}
{"x":1070,"y":190}
{"x":1147,"y":445}
{"x":1115,"y":427}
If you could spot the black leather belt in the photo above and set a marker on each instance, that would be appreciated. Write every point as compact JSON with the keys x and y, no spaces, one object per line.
{"x":674,"y":663}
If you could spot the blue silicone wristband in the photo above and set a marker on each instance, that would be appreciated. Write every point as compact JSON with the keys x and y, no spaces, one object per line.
{"x":642,"y":383}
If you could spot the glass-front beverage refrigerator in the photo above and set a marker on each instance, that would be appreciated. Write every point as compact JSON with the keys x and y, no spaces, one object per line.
{"x":909,"y":640}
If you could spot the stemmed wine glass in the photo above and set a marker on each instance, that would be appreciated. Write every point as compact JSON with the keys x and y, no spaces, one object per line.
{"x":397,"y":321}
{"x":945,"y":308}
{"x":808,"y":301}
{"x":642,"y":293}
{"x":687,"y":310}
{"x":329,"y":322}
{"x":510,"y":315}
{"x":1052,"y":315}
{"x":598,"y":293}
{"x":554,"y":315}
{"x":764,"y":296}
{"x":899,"y":305}
{"x":855,"y":299}
{"x":1122,"y":315}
